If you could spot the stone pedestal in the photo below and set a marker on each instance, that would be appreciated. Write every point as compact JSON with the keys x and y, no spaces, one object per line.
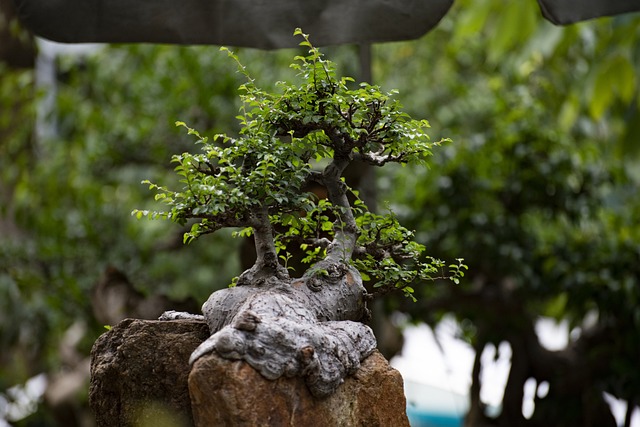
{"x":231,"y":393}
{"x":140,"y":377}
{"x":139,"y":372}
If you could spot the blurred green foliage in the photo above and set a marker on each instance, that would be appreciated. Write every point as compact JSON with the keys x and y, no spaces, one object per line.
{"x":65,"y":198}
{"x":539,"y":189}
{"x":538,"y":192}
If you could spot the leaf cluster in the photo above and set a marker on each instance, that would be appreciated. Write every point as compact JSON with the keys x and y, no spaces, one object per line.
{"x":361,"y":123}
{"x":231,"y":179}
{"x":389,"y":257}
{"x":306,"y":132}
{"x":386,"y":255}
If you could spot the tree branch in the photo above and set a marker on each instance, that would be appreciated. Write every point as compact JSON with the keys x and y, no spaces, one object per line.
{"x":345,"y":228}
{"x":266,"y":265}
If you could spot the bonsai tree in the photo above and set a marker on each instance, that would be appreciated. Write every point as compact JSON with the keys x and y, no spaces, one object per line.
{"x":303,"y":134}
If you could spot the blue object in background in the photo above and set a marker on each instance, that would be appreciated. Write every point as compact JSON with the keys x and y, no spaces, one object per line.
{"x":422,"y":418}
{"x":431,"y":406}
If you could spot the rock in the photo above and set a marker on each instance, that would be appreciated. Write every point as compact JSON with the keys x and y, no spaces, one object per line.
{"x":140,"y":377}
{"x":232,"y":393}
{"x":139,"y":372}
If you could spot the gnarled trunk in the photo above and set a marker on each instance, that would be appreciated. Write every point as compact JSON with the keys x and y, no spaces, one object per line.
{"x":289,"y":328}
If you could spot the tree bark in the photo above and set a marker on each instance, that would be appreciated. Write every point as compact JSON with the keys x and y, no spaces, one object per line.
{"x":346,"y":230}
{"x":266,"y":265}
{"x":574,"y":397}
{"x":293,"y":328}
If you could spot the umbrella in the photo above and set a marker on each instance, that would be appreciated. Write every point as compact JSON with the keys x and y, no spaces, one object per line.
{"x":563,"y":12}
{"x":265,"y":24}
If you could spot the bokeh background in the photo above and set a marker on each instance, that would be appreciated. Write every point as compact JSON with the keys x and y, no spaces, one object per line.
{"x":538,"y":192}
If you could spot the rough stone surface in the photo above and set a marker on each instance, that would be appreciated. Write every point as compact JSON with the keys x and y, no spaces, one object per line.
{"x":231,"y":393}
{"x":139,"y":372}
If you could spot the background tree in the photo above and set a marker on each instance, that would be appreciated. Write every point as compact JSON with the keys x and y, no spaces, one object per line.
{"x":63,"y":197}
{"x":536,"y":103}
{"x":540,"y":196}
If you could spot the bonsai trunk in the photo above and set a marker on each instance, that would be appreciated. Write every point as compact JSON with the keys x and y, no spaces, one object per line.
{"x":309,"y":327}
{"x":346,"y":231}
{"x":266,"y":265}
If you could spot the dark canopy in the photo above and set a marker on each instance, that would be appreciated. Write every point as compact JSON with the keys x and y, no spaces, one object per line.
{"x":563,"y":12}
{"x":265,"y":24}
